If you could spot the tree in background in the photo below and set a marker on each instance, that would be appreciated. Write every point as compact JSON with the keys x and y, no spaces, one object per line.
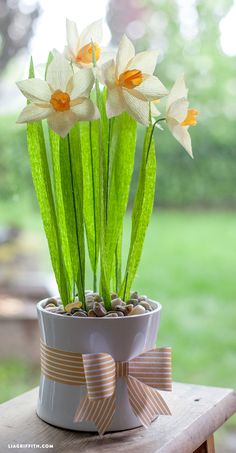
{"x":16,"y":27}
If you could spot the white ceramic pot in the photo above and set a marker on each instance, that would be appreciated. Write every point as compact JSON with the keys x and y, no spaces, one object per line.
{"x":123,"y":338}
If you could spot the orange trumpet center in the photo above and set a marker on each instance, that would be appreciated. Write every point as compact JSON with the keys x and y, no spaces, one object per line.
{"x":130,"y":79}
{"x":191,"y":118}
{"x":60,"y":101}
{"x":85,"y":54}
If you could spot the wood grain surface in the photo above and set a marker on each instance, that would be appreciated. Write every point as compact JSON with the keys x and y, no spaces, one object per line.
{"x":197,"y":412}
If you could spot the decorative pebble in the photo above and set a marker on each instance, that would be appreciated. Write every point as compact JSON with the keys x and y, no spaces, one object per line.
{"x":99,"y":309}
{"x":136,"y":305}
{"x":138,"y":310}
{"x":120,"y":313}
{"x":89,"y":304}
{"x":129,"y":308}
{"x":74,"y":309}
{"x":51,"y":308}
{"x":91,"y":314}
{"x":146,"y":305}
{"x":51,"y":301}
{"x":142,"y":298}
{"x":60,"y":311}
{"x":134,"y":302}
{"x":134,"y":295}
{"x":80,"y":314}
{"x":98,"y":298}
{"x":69,"y":307}
{"x":116,"y":302}
{"x":121,"y":308}
{"x":89,"y":298}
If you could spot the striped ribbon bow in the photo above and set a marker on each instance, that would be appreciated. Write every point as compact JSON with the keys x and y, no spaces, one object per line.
{"x":144,"y":374}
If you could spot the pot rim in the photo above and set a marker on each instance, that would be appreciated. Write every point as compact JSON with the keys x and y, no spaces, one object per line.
{"x":40,"y":308}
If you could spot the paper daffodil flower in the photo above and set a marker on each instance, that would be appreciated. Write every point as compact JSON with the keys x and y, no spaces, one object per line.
{"x":178,"y":116}
{"x":63,"y":98}
{"x":130,"y":82}
{"x":80,"y":48}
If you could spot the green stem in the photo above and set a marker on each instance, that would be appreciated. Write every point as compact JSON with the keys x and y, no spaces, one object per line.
{"x":126,"y":281}
{"x":108,"y":166}
{"x":94,"y":210}
{"x":148,"y":150}
{"x":152,"y":132}
{"x":117,"y":270}
{"x":76,"y":222}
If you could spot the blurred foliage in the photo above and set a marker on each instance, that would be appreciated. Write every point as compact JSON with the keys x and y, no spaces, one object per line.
{"x":15,"y":174}
{"x":16,"y":27}
{"x":187,"y":36}
{"x":16,"y":377}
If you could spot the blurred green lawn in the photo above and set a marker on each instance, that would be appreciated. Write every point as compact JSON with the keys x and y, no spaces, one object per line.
{"x":188,"y":264}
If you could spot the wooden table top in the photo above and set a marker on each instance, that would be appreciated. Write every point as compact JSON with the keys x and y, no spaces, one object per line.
{"x":197,"y":412}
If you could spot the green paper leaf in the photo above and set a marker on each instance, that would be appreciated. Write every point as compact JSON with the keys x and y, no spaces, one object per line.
{"x":43,"y":188}
{"x":122,"y":151}
{"x":118,"y":263}
{"x":104,"y":286}
{"x":89,"y":136}
{"x":143,"y":205}
{"x":72,"y":198}
{"x":60,"y":208}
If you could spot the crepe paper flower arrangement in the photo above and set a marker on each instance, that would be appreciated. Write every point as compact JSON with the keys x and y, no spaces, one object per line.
{"x":82,"y":174}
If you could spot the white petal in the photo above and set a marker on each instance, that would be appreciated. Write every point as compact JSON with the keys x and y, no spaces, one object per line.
{"x":151,"y":89}
{"x":181,"y":134}
{"x":33,"y":112}
{"x":91,"y":33}
{"x":178,"y":91}
{"x":154,"y":110}
{"x":144,"y":61}
{"x":68,"y":53}
{"x":86,"y":111}
{"x":62,"y":122}
{"x":125,"y":52}
{"x":115,"y":104}
{"x":106,"y":73}
{"x":178,"y":110}
{"x":106,"y":55}
{"x":137,"y":108}
{"x":59,"y":72}
{"x":82,"y":82}
{"x":35,"y":89}
{"x":72,"y":36}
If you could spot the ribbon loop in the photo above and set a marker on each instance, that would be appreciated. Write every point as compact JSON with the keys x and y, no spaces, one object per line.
{"x":100,"y":375}
{"x":153,"y":368}
{"x":145,"y":375}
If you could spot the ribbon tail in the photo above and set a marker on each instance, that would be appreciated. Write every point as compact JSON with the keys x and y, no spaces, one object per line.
{"x":99,"y":411}
{"x":147,"y":403}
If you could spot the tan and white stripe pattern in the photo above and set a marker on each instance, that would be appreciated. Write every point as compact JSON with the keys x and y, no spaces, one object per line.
{"x":100,"y":375}
{"x":144,"y":375}
{"x":147,"y":403}
{"x":153,"y":368}
{"x":62,"y":366}
{"x":100,"y":412}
